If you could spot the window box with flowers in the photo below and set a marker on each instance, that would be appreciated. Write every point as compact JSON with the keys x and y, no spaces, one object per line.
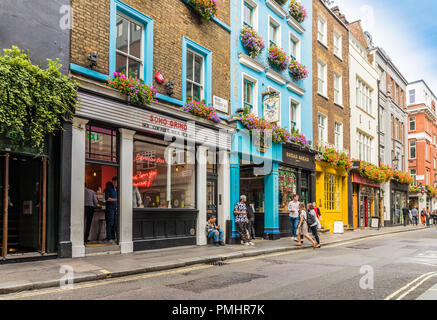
{"x":278,"y":59}
{"x":403,"y":177}
{"x":297,"y":71}
{"x":414,"y":190}
{"x":298,"y":11}
{"x":252,"y":41}
{"x":135,"y":89}
{"x":200,"y":109}
{"x":335,"y":159}
{"x":374,"y":173}
{"x":206,"y":9}
{"x":431,"y":191}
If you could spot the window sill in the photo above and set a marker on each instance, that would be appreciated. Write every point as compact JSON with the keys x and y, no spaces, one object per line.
{"x":323,"y":44}
{"x":338,"y":57}
{"x":339,"y":105}
{"x":323,"y":96}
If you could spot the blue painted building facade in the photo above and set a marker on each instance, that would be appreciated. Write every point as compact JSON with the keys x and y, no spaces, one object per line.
{"x":251,"y":79}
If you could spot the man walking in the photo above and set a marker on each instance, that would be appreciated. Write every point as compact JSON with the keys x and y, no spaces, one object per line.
{"x":406,"y":214}
{"x":90,"y":204}
{"x":293,"y":212}
{"x":241,"y":220}
{"x":414,"y":213}
{"x":111,"y":210}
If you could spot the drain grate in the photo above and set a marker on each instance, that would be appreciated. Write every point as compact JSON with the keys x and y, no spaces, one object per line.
{"x":217,"y":263}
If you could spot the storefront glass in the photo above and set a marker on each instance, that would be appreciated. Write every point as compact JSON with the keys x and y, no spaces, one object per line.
{"x":332,"y":192}
{"x":399,"y":200}
{"x":163,"y":176}
{"x":101,"y":144}
{"x":253,"y":187}
{"x":287,"y":187}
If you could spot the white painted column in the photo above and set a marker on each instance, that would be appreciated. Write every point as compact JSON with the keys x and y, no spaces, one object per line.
{"x":224,"y":182}
{"x":201,"y":162}
{"x":126,"y":187}
{"x":78,"y":187}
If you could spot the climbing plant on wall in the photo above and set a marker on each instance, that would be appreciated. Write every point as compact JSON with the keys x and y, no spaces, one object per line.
{"x":34,"y":101}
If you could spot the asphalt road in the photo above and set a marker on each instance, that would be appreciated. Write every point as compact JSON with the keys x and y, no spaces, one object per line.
{"x":397,"y":266}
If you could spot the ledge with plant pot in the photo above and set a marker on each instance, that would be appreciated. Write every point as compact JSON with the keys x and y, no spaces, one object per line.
{"x":295,"y":88}
{"x":275,"y":76}
{"x":295,"y":25}
{"x":276,"y":8}
{"x":251,"y":63}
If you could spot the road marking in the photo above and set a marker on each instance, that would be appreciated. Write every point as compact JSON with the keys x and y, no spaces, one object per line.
{"x":409,"y":284}
{"x":416,"y":286}
{"x":102,"y":283}
{"x":106,"y":272}
{"x":200,"y":267}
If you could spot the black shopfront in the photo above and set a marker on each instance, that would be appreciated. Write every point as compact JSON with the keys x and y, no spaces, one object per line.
{"x":399,"y":193}
{"x":297,"y":176}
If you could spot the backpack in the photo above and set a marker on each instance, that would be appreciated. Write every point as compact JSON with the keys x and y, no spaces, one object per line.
{"x":311,"y":218}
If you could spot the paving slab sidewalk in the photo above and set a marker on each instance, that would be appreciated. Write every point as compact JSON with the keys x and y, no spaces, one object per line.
{"x":44,"y":274}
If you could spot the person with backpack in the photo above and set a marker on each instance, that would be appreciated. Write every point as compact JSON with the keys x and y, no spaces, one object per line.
{"x":303,"y":227}
{"x":313,"y":223}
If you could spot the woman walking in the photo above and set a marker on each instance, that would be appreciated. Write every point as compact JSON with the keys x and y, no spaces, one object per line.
{"x":314,"y":223}
{"x":303,"y":228}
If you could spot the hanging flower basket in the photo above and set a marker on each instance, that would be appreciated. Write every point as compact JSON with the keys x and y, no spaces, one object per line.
{"x":403,"y":177}
{"x":278,"y":58}
{"x":135,"y":89}
{"x":414,"y":189}
{"x":297,"y":70}
{"x":298,"y":138}
{"x":374,"y":173}
{"x":201,"y":110}
{"x":298,"y":11}
{"x":207,"y":9}
{"x":252,"y":41}
{"x":332,"y":157}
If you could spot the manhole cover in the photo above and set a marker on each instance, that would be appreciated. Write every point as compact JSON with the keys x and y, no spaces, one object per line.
{"x":216,"y":282}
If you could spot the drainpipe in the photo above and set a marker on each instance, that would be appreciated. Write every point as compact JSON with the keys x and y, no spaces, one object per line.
{"x":381,"y":209}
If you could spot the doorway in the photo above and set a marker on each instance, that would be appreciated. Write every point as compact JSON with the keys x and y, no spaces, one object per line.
{"x":23,"y":188}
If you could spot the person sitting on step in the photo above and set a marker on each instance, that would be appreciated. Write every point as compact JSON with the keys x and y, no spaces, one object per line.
{"x":214,"y":231}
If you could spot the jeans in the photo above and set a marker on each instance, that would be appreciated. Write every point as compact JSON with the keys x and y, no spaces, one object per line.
{"x":415,"y":220}
{"x":110,"y":216}
{"x":294,"y":224}
{"x":217,"y":237}
{"x":89,"y":214}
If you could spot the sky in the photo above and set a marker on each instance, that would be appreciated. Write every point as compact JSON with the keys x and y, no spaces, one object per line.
{"x":405,"y":29}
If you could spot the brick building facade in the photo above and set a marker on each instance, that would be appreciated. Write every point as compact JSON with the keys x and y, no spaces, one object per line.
{"x":164,"y":193}
{"x":422,"y":132}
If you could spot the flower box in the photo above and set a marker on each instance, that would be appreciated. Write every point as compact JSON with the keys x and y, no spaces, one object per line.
{"x":278,"y":58}
{"x":252,"y":41}
{"x":207,"y":9}
{"x":135,"y":89}
{"x":297,"y":71}
{"x":298,"y":11}
{"x":200,"y":109}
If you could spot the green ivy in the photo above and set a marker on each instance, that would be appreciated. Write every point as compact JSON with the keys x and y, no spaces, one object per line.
{"x":34,"y":102}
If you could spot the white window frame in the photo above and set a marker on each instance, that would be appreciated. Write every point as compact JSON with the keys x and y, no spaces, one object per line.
{"x":338,"y":141}
{"x":322,"y":35}
{"x":254,"y":5}
{"x":363,"y":96}
{"x":298,"y":113}
{"x":245,"y":76}
{"x":415,"y":149}
{"x":274,"y":22}
{"x":127,"y":55}
{"x":324,"y":128}
{"x":202,"y":74}
{"x":297,"y":46}
{"x":338,"y":44}
{"x":412,"y":120}
{"x":324,"y":77}
{"x":339,"y":90}
{"x":413,"y":175}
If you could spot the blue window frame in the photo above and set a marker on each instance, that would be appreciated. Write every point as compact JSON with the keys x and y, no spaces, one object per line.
{"x":130,"y":41}
{"x":195,"y":59}
{"x":248,"y":14}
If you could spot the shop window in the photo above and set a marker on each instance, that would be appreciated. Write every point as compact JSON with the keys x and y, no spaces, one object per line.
{"x":163,"y":176}
{"x":253,"y":187}
{"x":332,"y":193}
{"x":287,"y":187}
{"x":101,"y":144}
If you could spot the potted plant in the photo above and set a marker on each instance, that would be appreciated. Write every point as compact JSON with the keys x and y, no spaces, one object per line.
{"x":298,"y":11}
{"x":252,"y":41}
{"x":200,"y":109}
{"x":297,"y":71}
{"x":207,"y":9}
{"x":135,"y":89}
{"x":278,"y":58}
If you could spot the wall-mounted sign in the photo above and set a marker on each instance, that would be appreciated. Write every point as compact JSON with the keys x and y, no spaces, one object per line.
{"x":220,"y":104}
{"x":298,"y":159}
{"x":272,"y":107}
{"x":420,"y":178}
{"x":187,"y":173}
{"x":260,"y":140}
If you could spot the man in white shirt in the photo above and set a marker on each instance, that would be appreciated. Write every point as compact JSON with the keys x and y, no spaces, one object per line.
{"x":293,"y":212}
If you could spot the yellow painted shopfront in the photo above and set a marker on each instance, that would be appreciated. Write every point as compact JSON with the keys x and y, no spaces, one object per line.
{"x":332,"y":194}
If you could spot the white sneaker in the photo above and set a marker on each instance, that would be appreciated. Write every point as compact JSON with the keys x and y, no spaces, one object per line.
{"x":251,"y":243}
{"x":247,"y":244}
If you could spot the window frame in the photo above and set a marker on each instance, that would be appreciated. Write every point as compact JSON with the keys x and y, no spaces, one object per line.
{"x":412,"y":121}
{"x":338,"y":135}
{"x":193,"y":82}
{"x":338,"y":91}
{"x":411,"y":147}
{"x":252,"y":13}
{"x":116,"y":6}
{"x":339,"y":37}
{"x":297,"y":122}
{"x":324,"y":79}
{"x":325,"y":30}
{"x":324,"y":128}
{"x":277,"y":25}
